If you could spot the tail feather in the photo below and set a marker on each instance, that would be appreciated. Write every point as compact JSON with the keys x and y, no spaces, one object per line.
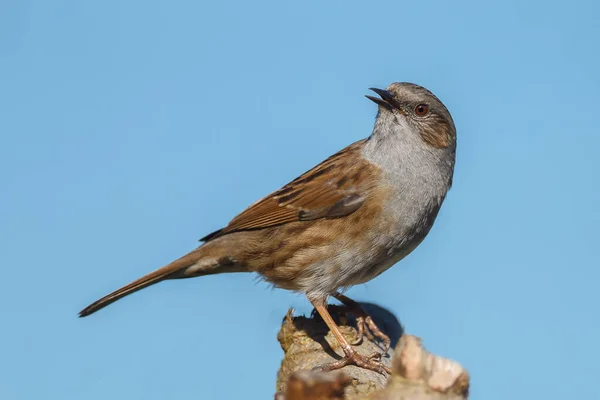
{"x":160,"y":274}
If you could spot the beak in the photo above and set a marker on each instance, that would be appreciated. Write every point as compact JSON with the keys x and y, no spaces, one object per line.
{"x":387,"y":100}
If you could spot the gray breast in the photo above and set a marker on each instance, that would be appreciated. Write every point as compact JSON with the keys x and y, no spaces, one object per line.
{"x":419,"y":178}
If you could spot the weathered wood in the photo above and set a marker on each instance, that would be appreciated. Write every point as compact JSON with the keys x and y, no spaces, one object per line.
{"x":416,"y":373}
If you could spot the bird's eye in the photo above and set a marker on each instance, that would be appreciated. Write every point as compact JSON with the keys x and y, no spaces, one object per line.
{"x":421,"y":109}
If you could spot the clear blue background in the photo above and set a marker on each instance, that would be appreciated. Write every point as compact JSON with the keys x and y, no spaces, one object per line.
{"x":129,"y":129}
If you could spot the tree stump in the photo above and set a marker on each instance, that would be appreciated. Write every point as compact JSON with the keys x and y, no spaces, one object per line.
{"x":416,"y":373}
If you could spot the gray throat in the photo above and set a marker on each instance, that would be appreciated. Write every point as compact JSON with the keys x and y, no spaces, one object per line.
{"x":407,"y":160}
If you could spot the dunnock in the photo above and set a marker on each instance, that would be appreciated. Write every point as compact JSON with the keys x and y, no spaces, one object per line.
{"x":343,"y":222}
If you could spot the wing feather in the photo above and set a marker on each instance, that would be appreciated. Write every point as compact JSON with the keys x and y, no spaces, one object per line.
{"x":336,"y":187}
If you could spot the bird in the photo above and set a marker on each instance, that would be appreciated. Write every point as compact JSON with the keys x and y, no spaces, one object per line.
{"x":341,"y":223}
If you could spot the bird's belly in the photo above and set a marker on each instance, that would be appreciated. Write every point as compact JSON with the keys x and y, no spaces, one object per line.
{"x":396,"y":238}
{"x":348,"y":266}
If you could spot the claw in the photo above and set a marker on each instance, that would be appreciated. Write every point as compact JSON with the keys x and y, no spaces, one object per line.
{"x":378,"y":333}
{"x":360,"y":326}
{"x":372,"y":363}
{"x":364,"y":324}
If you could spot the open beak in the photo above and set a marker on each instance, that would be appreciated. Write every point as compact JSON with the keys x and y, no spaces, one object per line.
{"x":386,"y":100}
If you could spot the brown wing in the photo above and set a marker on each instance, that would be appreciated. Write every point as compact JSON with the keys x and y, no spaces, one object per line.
{"x":335,"y":188}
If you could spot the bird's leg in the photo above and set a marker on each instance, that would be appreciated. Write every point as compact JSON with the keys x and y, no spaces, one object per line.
{"x":351,"y":357}
{"x":362,"y":319}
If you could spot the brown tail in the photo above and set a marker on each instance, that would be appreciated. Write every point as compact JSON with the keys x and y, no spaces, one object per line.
{"x":153,"y":277}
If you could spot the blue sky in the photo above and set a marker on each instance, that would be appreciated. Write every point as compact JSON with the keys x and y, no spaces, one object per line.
{"x":129,"y":129}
